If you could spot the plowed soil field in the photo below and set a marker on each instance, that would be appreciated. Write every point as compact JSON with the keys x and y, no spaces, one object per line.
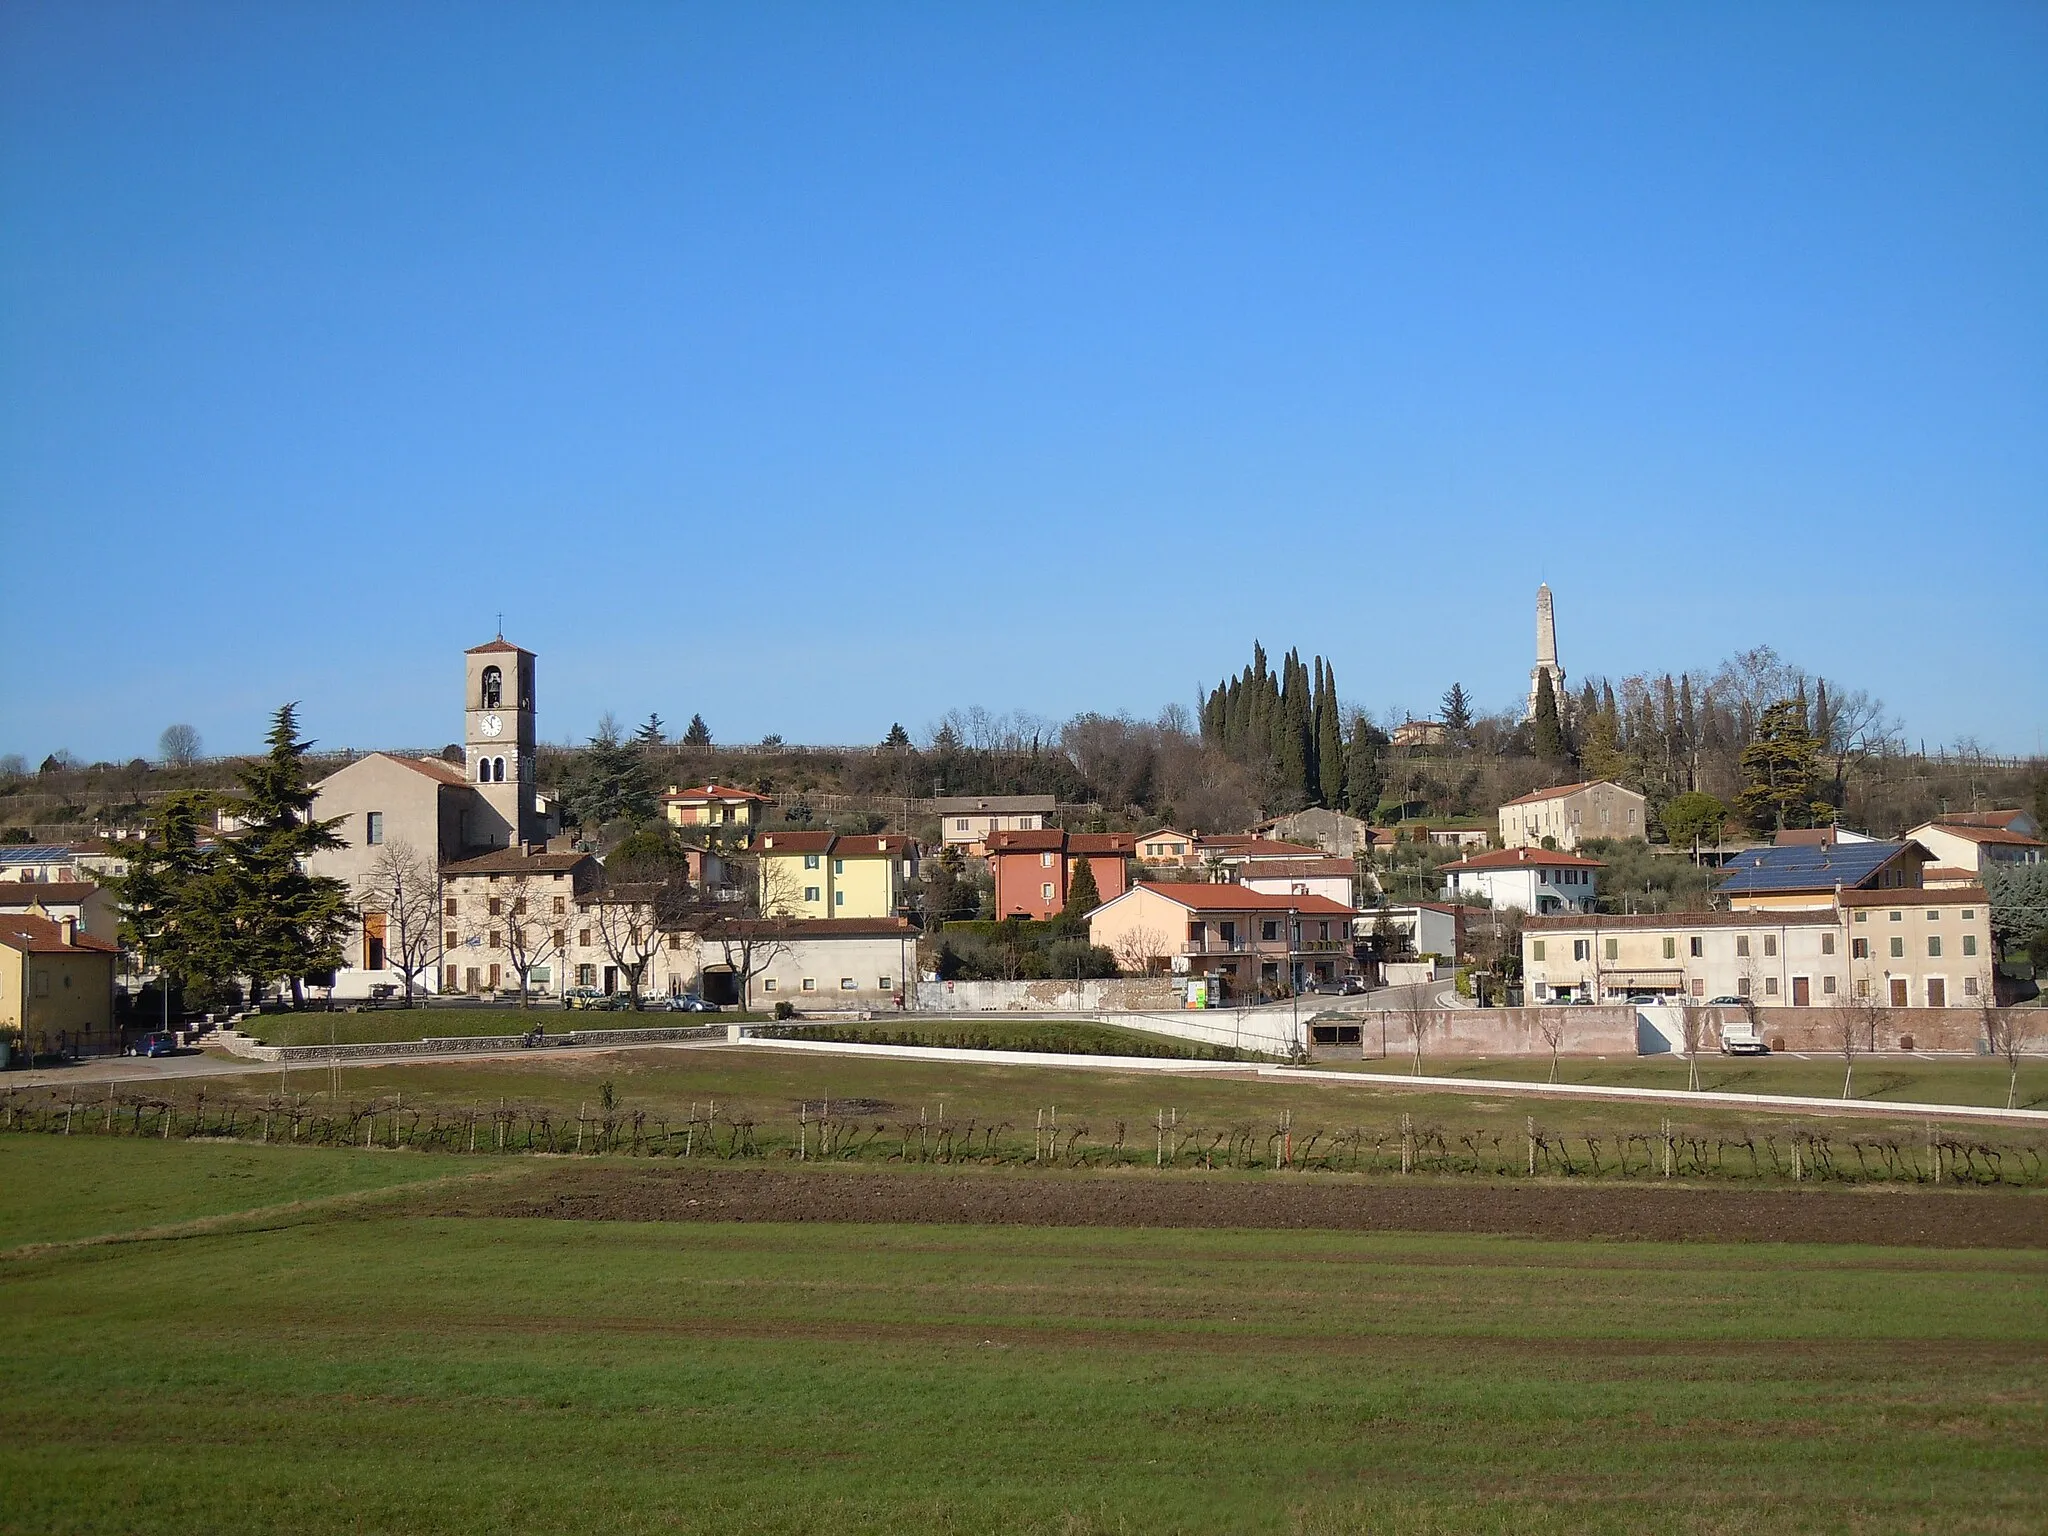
{"x":608,"y":1192}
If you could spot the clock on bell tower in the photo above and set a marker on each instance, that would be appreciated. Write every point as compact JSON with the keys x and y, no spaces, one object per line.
{"x":498,"y":742}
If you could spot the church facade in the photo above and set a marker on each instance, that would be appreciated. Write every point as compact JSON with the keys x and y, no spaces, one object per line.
{"x":434,"y":813}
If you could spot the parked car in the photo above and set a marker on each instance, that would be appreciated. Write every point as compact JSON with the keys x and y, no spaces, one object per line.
{"x":1727,"y":1002}
{"x":1739,"y":1038}
{"x":1643,"y":999}
{"x":581,"y":997}
{"x":1343,"y":986}
{"x":690,"y":1004}
{"x":158,"y":1043}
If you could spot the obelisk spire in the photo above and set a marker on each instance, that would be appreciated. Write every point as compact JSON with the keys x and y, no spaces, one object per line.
{"x":1546,"y":651}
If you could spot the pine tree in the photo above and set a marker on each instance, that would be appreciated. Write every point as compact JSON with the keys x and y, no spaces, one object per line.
{"x":608,"y":783}
{"x":1457,"y":711}
{"x":898,"y":739}
{"x":173,"y":896}
{"x":1780,"y":771}
{"x":649,"y":734}
{"x":1549,"y":736}
{"x":285,"y":925}
{"x":698,"y":734}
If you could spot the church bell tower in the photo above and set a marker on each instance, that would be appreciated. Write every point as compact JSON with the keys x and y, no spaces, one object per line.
{"x":498,"y":741}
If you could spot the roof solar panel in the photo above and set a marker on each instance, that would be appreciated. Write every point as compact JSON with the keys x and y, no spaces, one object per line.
{"x":40,"y":853}
{"x":1805,"y":867}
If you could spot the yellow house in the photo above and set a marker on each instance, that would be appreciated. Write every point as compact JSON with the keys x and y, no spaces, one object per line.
{"x":714,"y":805}
{"x":827,"y":874}
{"x":56,"y":984}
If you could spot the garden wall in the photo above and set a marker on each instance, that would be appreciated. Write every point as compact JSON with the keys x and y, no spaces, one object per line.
{"x":1596,"y":1031}
{"x":1930,"y":1029}
{"x":1113,"y":994}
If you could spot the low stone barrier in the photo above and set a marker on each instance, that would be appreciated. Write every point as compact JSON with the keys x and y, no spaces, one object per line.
{"x":1603,"y":1030}
{"x":1108,"y":995}
{"x":450,"y":1045}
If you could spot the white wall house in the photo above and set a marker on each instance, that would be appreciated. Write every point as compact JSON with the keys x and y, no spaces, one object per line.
{"x":1537,"y":880}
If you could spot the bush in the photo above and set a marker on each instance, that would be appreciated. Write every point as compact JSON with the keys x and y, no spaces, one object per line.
{"x":785,"y":1010}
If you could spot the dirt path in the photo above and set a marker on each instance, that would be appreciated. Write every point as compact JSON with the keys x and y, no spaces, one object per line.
{"x":1940,"y":1219}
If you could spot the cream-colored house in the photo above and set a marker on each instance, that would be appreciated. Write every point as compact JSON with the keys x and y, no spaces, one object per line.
{"x":716,"y":807}
{"x":90,"y":907}
{"x":1239,"y":940}
{"x":1907,"y":948}
{"x":1571,"y":813}
{"x":1965,"y":845}
{"x":1164,"y":848}
{"x":506,"y":912}
{"x":965,"y":821}
{"x":56,"y":985}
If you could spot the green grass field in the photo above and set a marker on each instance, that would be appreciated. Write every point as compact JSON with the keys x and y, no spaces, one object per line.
{"x":380,"y":1026}
{"x":347,"y":1363}
{"x":1889,"y":1076}
{"x":1078,"y":1037}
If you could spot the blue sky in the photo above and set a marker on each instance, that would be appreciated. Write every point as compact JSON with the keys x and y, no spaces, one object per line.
{"x":817,"y":367}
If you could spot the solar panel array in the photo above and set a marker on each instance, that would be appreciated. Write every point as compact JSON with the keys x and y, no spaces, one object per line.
{"x":1806,"y":867}
{"x":41,"y":853}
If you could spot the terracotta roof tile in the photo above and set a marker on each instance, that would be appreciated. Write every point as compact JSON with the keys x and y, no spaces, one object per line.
{"x":514,"y":861}
{"x":1204,"y":897}
{"x":23,"y":893}
{"x":40,"y":936}
{"x":1525,"y":858}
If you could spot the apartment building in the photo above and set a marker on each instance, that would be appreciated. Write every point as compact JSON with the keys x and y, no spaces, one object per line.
{"x":1918,"y":948}
{"x":1570,"y":813}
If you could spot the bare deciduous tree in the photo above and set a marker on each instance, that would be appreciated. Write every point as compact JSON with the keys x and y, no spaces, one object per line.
{"x":512,"y":920}
{"x":2010,"y":1031}
{"x":1417,"y":1017}
{"x":178,"y":747}
{"x":1855,"y":1031}
{"x":403,"y":889}
{"x":1137,"y":948}
{"x":1551,"y":1024}
{"x":628,"y":924}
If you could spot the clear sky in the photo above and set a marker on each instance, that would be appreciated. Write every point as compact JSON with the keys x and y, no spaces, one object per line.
{"x":816,"y":367}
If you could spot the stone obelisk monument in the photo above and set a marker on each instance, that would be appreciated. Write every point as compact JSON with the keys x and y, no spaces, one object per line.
{"x":1546,"y":652}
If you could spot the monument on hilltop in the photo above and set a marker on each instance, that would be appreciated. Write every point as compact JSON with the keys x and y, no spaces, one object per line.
{"x":1546,"y":653}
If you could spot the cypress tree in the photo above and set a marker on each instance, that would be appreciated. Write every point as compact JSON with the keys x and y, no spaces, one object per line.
{"x":1549,"y":737}
{"x":1083,"y":896}
{"x":1330,"y":746}
{"x":1364,"y":779}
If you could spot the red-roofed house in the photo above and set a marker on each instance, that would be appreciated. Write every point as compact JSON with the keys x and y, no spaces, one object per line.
{"x":1571,"y":813}
{"x":1034,"y":869}
{"x":1237,"y":940}
{"x":1534,"y":879}
{"x":56,"y":985}
{"x":1975,"y":846}
{"x":713,"y":805}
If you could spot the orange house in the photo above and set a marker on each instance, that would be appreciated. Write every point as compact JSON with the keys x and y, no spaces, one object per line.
{"x":1033,"y":870}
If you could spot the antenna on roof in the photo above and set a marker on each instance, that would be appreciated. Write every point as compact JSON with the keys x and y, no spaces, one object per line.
{"x":501,"y":623}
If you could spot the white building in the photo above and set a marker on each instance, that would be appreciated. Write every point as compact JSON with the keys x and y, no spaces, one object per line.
{"x":1535,"y":879}
{"x":1975,"y":847}
{"x":1334,"y":879}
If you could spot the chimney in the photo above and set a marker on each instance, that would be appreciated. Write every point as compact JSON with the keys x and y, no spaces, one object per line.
{"x":69,"y":928}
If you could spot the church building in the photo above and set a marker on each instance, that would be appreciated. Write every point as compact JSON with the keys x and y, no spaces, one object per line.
{"x":435,"y":811}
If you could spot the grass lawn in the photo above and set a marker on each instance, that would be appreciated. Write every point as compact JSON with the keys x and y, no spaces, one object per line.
{"x":1889,"y":1075}
{"x":1078,"y":1037}
{"x":376,"y":1369}
{"x":382,"y":1025}
{"x":769,"y":1084}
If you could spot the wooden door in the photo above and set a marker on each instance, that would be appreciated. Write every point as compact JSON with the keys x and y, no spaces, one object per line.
{"x":1802,"y":992}
{"x":1899,"y":992}
{"x":1937,"y":992}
